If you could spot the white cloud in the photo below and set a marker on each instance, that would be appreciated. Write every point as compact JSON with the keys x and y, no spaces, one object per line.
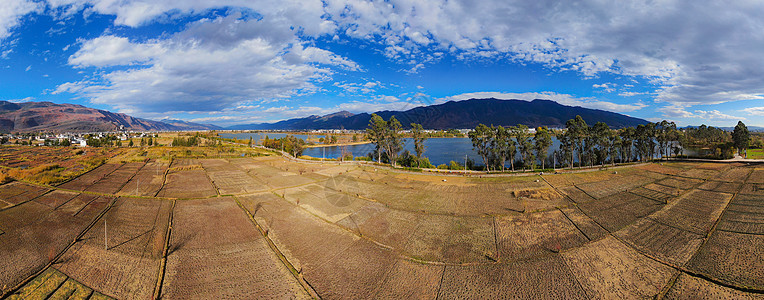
{"x":305,"y":15}
{"x":22,"y":100}
{"x":565,"y":99}
{"x":695,"y":53}
{"x":630,"y":94}
{"x":755,"y":111}
{"x":212,"y":65}
{"x":715,"y":115}
{"x":680,"y":112}
{"x":698,"y":53}
{"x":112,"y":50}
{"x":11,"y":12}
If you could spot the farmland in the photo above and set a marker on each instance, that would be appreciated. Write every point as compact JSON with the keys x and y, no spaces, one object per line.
{"x":260,"y":226}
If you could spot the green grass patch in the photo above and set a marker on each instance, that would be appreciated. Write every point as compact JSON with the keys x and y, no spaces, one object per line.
{"x":756,"y":153}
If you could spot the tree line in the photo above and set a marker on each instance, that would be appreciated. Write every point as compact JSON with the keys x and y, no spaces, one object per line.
{"x":580,"y":144}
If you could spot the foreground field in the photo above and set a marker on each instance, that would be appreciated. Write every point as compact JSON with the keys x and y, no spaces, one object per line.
{"x":265,"y":227}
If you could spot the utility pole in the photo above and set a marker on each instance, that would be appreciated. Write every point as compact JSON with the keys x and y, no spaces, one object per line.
{"x":105,"y":240}
{"x":465,"y":164}
{"x":136,"y":187}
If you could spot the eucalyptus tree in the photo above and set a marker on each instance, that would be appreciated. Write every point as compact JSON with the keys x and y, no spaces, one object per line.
{"x":577,"y":130}
{"x":615,"y":146}
{"x":644,"y":138}
{"x":565,"y":152}
{"x":386,"y":136}
{"x":418,"y":136}
{"x":542,"y":140}
{"x":481,"y":138}
{"x":600,"y":135}
{"x":741,"y":136}
{"x":393,"y":139}
{"x":627,"y":143}
{"x":377,"y":132}
{"x":503,"y":146}
{"x":524,"y":143}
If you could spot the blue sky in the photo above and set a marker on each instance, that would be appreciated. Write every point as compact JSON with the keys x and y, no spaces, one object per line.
{"x":245,"y":61}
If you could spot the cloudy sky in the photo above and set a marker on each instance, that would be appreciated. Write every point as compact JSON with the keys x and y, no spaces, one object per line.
{"x":248,"y":61}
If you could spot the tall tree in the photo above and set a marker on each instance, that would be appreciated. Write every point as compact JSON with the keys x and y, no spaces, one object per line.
{"x":524,"y":143}
{"x":417,"y":133}
{"x":601,"y":135}
{"x":376,"y":132}
{"x":577,"y":130}
{"x":481,"y":142}
{"x":393,"y":139}
{"x":741,"y":136}
{"x":542,"y":140}
{"x":627,"y":143}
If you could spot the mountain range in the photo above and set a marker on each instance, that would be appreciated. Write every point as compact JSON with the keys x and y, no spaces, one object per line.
{"x":460,"y":115}
{"x":52,"y":117}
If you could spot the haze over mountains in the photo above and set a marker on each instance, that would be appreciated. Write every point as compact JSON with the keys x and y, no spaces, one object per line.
{"x":462,"y":114}
{"x":47,"y":116}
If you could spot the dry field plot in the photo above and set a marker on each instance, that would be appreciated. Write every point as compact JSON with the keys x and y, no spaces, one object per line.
{"x":609,"y":187}
{"x":744,"y":215}
{"x":537,"y":234}
{"x":216,"y":250}
{"x":586,"y":225}
{"x":411,"y":280}
{"x":470,"y":198}
{"x":699,"y":173}
{"x":88,"y":179}
{"x":545,"y":278}
{"x":757,"y":176}
{"x":577,"y":195}
{"x":326,"y":203}
{"x":453,"y":239}
{"x":734,"y":175}
{"x":15,"y":193}
{"x":679,"y":182}
{"x":652,"y":194}
{"x":688,"y":287}
{"x":665,"y":242}
{"x":187,"y":184}
{"x":35,"y":233}
{"x":386,"y":226}
{"x":696,"y":211}
{"x":305,"y":240}
{"x":619,"y":210}
{"x":667,"y":169}
{"x":234,"y":181}
{"x":135,"y":229}
{"x":114,"y":181}
{"x":147,"y":181}
{"x":608,"y":269}
{"x":734,"y":258}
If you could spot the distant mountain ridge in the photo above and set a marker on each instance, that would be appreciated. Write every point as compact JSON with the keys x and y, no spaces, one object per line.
{"x":53,"y":117}
{"x":461,"y":115}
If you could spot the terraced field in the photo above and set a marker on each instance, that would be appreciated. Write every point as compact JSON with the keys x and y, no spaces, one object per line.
{"x":266,"y":227}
